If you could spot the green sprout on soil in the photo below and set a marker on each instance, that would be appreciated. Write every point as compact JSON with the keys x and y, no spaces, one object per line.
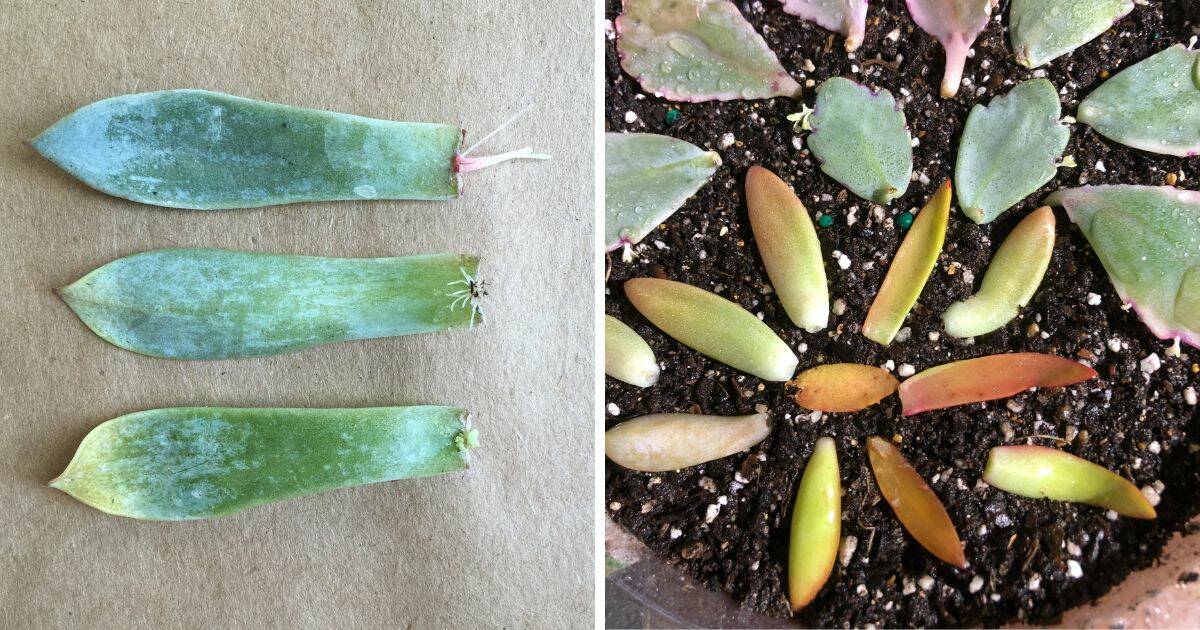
{"x":789,"y":247}
{"x":1039,"y":472}
{"x":842,"y":387}
{"x":1010,"y":281}
{"x":713,"y":326}
{"x":956,"y":24}
{"x":988,"y":378}
{"x":801,"y":120}
{"x":1044,"y":30}
{"x":910,"y":269}
{"x":816,"y":525}
{"x":627,"y":357}
{"x":848,"y":17}
{"x":914,"y":502}
{"x":861,"y":139}
{"x":670,"y":441}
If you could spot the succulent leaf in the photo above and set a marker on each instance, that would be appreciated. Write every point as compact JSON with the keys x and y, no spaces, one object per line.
{"x":627,"y":357}
{"x":1009,"y":149}
{"x":668,"y":441}
{"x":1038,"y":472}
{"x":910,"y":269}
{"x":789,"y":247}
{"x":816,"y":525}
{"x":1148,"y":239}
{"x":698,"y":50}
{"x":1153,"y":106}
{"x":956,"y":24}
{"x":1043,"y":30}
{"x":713,"y":326}
{"x":861,"y":138}
{"x":1010,"y":281}
{"x":988,"y":378}
{"x":647,"y":177}
{"x":842,"y":387}
{"x":914,"y":502}
{"x":848,"y":17}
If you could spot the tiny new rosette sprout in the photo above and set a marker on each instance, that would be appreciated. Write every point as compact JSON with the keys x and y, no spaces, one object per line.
{"x":1009,"y":149}
{"x":816,"y":525}
{"x":1043,"y":30}
{"x":988,"y":378}
{"x":1153,"y":106}
{"x":1148,"y":239}
{"x":918,"y":508}
{"x":713,"y":326}
{"x":647,"y":177}
{"x":698,"y":50}
{"x":670,"y":441}
{"x":1010,"y":281}
{"x":861,"y":139}
{"x":210,"y":151}
{"x":910,"y":269}
{"x":956,"y":24}
{"x":219,"y":304}
{"x":842,"y":387}
{"x":1038,"y":472}
{"x":848,"y":17}
{"x":200,"y":462}
{"x":627,"y":357}
{"x":789,"y":247}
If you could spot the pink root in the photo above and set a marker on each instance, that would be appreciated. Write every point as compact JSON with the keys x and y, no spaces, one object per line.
{"x":956,"y":59}
{"x":465,"y":164}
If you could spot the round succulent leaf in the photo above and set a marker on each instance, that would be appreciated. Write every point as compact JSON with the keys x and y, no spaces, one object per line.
{"x":1009,"y":149}
{"x":861,"y":139}
{"x":1043,"y":30}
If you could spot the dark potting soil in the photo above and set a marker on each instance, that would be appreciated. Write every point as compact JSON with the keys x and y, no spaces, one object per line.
{"x":1029,"y":559}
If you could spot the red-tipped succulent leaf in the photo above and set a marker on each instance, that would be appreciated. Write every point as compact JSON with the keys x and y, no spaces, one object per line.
{"x":988,"y":378}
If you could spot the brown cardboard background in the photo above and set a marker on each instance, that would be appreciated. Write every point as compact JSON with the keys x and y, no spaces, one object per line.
{"x":509,"y":543}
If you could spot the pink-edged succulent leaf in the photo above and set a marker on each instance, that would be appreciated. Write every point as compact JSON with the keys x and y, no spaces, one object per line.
{"x":848,"y":17}
{"x":698,"y":50}
{"x":918,"y":508}
{"x":1148,"y":239}
{"x":1038,"y":472}
{"x":988,"y":378}
{"x":956,"y":24}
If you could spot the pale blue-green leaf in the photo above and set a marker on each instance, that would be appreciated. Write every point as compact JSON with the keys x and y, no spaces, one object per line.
{"x":861,"y":139}
{"x":1043,"y":30}
{"x":848,"y":17}
{"x":1153,"y":106}
{"x":698,"y":50}
{"x":1009,"y":149}
{"x":647,"y":177}
{"x":1148,"y":238}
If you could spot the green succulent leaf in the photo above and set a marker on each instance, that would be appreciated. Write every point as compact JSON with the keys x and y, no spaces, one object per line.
{"x":218,"y":304}
{"x":1009,"y":149}
{"x":861,"y":138}
{"x":1038,"y":472}
{"x":1043,"y":30}
{"x":848,"y":17}
{"x":698,"y":50}
{"x":1153,"y":106}
{"x":627,"y":357}
{"x":1148,"y":238}
{"x":647,"y":177}
{"x":816,"y":525}
{"x":200,"y":462}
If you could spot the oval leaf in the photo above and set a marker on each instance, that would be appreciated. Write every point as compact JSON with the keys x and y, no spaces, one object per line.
{"x":218,"y":304}
{"x":669,"y":441}
{"x":790,"y":250}
{"x":698,"y":50}
{"x":1043,"y":30}
{"x":955,"y":24}
{"x":910,"y":270}
{"x":627,"y":357}
{"x":816,"y":525}
{"x":647,"y":177}
{"x":713,"y":326}
{"x":915,"y":504}
{"x":861,"y":139}
{"x":1038,"y":472}
{"x":1148,"y":238}
{"x":1153,"y":106}
{"x":988,"y":378}
{"x":1009,"y":149}
{"x":843,"y":387}
{"x":848,"y":17}
{"x":199,"y":462}
{"x":1011,"y":279}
